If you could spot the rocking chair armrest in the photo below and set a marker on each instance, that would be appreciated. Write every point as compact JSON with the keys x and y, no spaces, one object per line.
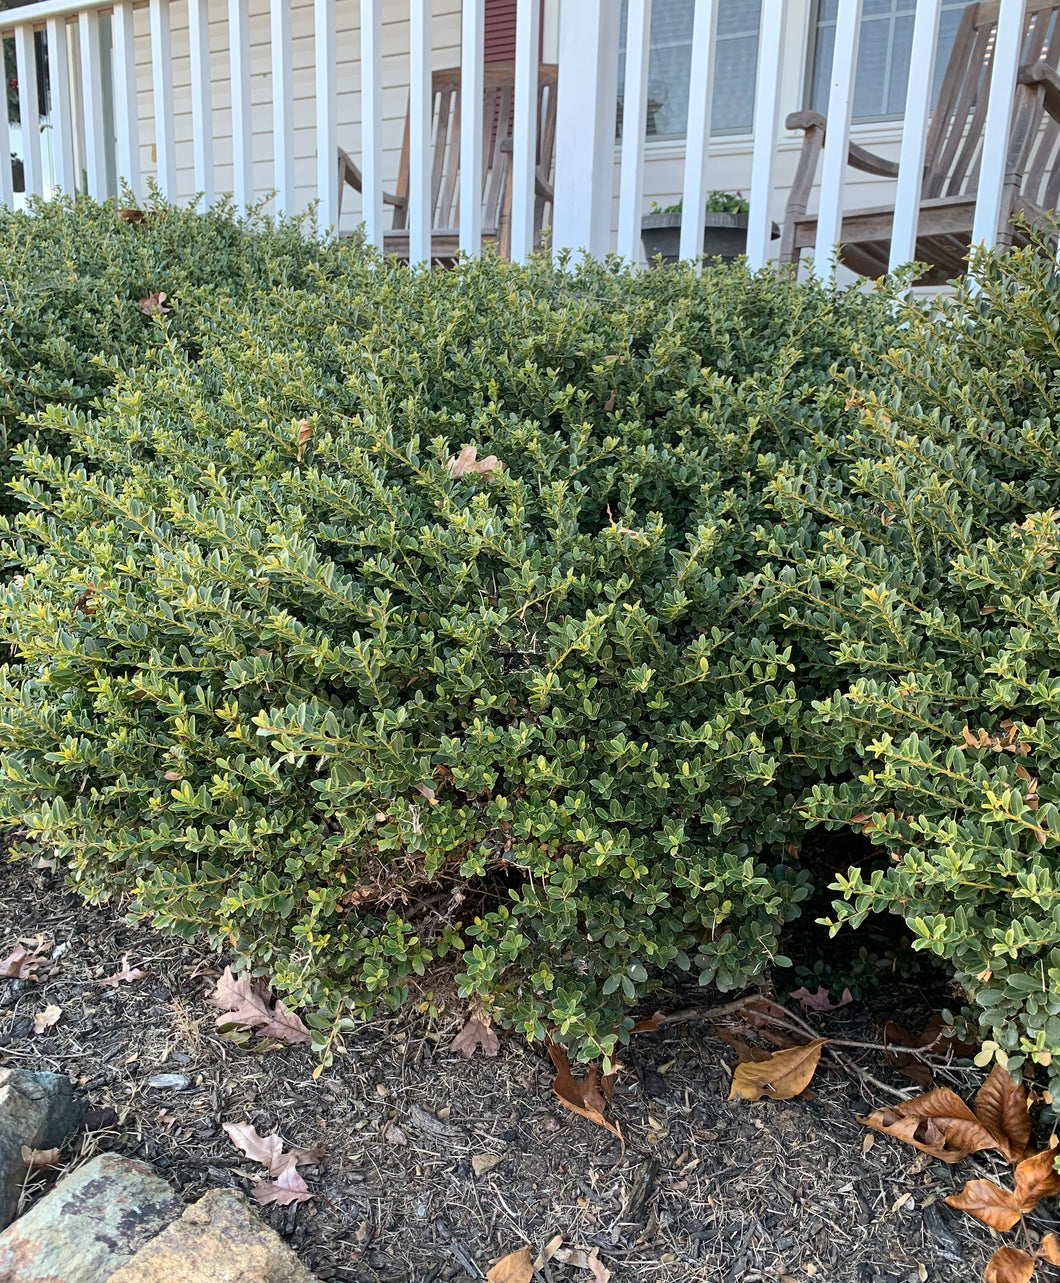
{"x":858,"y":157}
{"x":1041,"y":75}
{"x":349,"y":173}
{"x":542,"y":189}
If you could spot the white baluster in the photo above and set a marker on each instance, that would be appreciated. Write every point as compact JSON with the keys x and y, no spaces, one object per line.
{"x":585,"y":125}
{"x":327,"y":116}
{"x":697,"y":148}
{"x":29,"y":109}
{"x":524,"y":127}
{"x":7,"y":184}
{"x":62,"y":105}
{"x":92,"y":102}
{"x":201,"y":100}
{"x":837,"y":137}
{"x":126,"y":105}
{"x":914,"y":133}
{"x":421,"y":104}
{"x":372,"y":120}
{"x":282,"y":106}
{"x":162,"y":85}
{"x":472,"y":66}
{"x":634,"y":111}
{"x":1007,"y":46}
{"x":242,"y":122}
{"x":772,"y":28}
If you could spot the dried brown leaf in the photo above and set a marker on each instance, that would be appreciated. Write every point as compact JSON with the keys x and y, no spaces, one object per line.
{"x":153,"y":304}
{"x":1049,"y":1249}
{"x":821,"y":1000}
{"x":516,"y":1267}
{"x":46,"y":1018}
{"x":587,"y":1097}
{"x":940,"y":1123}
{"x":268,"y":1150}
{"x":38,"y":1159}
{"x":305,"y":431}
{"x":476,"y":1033}
{"x":782,"y":1077}
{"x":649,"y":1024}
{"x":483,"y":1163}
{"x":1003,"y":1107}
{"x":127,"y":975}
{"x":287,"y":1188}
{"x":1036,"y":1178}
{"x":1009,"y":1265}
{"x":20,"y":964}
{"x":468,"y":461}
{"x":247,"y":1004}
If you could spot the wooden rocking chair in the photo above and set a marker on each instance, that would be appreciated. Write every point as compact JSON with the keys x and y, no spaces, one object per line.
{"x":953,"y":155}
{"x":499,"y":92}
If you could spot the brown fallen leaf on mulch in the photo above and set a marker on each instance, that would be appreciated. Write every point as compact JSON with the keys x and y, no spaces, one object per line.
{"x":587,"y":1097}
{"x":46,"y":1018}
{"x":127,"y":975}
{"x":248,"y":1004}
{"x":268,"y":1150}
{"x":39,"y":1159}
{"x":476,"y":1033}
{"x":286,"y":1189}
{"x":941,"y":1124}
{"x":821,"y":1000}
{"x":783,"y":1075}
{"x":516,"y":1267}
{"x":936,"y":1037}
{"x":1001,"y":1208}
{"x":20,"y":964}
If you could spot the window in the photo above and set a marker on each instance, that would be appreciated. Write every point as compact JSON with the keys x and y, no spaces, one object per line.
{"x":669,"y":67}
{"x":884,"y":48}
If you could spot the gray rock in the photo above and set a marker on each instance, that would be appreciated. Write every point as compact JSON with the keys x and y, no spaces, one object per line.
{"x":170,"y":1082}
{"x":36,"y":1109}
{"x":217,"y":1240}
{"x":91,"y":1224}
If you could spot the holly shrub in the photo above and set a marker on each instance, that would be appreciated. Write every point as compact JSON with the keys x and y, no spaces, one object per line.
{"x":72,"y":277}
{"x":296,"y":664}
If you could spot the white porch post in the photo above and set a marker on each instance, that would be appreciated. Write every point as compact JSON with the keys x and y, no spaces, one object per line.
{"x":585,"y":125}
{"x":914,"y":134}
{"x":282,"y":106}
{"x":92,"y":102}
{"x":837,"y":139}
{"x":372,"y":120}
{"x":162,"y":81}
{"x":327,"y":116}
{"x":472,"y":29}
{"x":239,"y":77}
{"x":697,"y":148}
{"x":524,"y":127}
{"x":201,"y":103}
{"x":421,"y":110}
{"x":126,"y":112}
{"x":771,"y":39}
{"x":28,"y":109}
{"x":1007,"y":46}
{"x":634,"y":108}
{"x":62,"y":105}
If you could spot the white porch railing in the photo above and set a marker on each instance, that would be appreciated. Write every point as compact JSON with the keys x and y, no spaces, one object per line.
{"x":78,"y":148}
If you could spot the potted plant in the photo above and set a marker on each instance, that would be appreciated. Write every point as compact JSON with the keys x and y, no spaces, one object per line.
{"x":724,"y":229}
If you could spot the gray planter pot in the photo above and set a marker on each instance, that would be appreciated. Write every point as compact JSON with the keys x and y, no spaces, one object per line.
{"x":724,"y":236}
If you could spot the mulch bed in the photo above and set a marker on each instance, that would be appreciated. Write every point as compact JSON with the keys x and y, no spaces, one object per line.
{"x":706,"y":1189}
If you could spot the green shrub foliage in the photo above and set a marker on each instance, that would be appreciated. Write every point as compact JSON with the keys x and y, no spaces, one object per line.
{"x":757,"y":555}
{"x":72,"y":274}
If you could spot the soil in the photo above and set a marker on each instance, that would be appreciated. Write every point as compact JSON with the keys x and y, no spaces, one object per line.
{"x":706,"y":1189}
